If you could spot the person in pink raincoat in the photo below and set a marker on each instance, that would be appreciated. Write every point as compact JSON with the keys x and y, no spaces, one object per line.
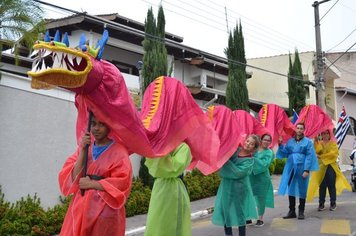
{"x":101,"y":210}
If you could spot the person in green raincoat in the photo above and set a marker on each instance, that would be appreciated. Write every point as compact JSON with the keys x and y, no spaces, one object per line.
{"x":169,"y":209}
{"x":261,"y":179}
{"x":234,"y":201}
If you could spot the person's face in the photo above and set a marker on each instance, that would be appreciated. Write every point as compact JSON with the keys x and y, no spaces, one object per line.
{"x":325,"y":135}
{"x":299,"y":130}
{"x":99,"y":130}
{"x":266,"y":141}
{"x":249,"y":144}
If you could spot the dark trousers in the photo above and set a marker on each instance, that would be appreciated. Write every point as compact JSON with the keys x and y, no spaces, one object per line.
{"x":242,"y":230}
{"x":292,"y":198}
{"x":328,"y":182}
{"x":292,"y":204}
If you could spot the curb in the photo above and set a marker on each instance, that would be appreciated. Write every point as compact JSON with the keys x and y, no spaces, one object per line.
{"x":193,"y":216}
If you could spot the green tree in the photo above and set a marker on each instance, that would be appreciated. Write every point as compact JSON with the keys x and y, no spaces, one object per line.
{"x":20,"y":20}
{"x":155,"y":56}
{"x":236,"y":91}
{"x":149,"y":48}
{"x":154,"y":64}
{"x":296,"y":90}
{"x":162,"y":67}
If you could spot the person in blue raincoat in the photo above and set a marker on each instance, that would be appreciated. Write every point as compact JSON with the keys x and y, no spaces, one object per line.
{"x":301,"y":159}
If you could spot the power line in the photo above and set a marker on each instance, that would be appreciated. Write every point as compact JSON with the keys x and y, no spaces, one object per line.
{"x":157,"y":39}
{"x":342,"y":40}
{"x":267,"y":30}
{"x":329,"y":10}
{"x":250,"y":37}
{"x":340,"y":57}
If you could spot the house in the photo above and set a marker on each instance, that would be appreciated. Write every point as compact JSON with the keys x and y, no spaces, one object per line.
{"x":344,"y":95}
{"x":270,"y":86}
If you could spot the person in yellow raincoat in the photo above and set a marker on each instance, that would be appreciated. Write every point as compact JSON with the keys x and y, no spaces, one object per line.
{"x":329,"y":177}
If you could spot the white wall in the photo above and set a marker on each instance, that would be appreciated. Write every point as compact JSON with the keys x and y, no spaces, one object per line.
{"x":37,"y":135}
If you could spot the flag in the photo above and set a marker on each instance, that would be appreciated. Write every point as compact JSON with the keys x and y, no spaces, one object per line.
{"x":295,"y":117}
{"x":342,"y":127}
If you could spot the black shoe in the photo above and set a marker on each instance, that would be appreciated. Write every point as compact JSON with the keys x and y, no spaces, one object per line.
{"x":248,"y":222}
{"x":301,"y":215}
{"x":333,"y":207}
{"x":259,"y":223}
{"x":290,"y":215}
{"x":321,"y":207}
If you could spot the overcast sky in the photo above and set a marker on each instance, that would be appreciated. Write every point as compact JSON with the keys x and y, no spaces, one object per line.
{"x":270,"y":27}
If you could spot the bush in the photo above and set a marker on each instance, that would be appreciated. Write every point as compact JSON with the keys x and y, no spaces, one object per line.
{"x":27,"y":217}
{"x":200,"y":186}
{"x":24,"y":217}
{"x":139,"y":199}
{"x":280,"y":163}
{"x":272,"y":167}
{"x":56,"y":215}
{"x":144,"y":174}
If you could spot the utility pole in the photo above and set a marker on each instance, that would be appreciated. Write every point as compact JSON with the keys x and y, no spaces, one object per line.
{"x":319,"y":76}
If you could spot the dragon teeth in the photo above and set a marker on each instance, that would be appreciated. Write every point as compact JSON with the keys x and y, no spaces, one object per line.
{"x":46,"y":53}
{"x":70,"y":58}
{"x":35,"y":65}
{"x":43,"y":65}
{"x":56,"y":63}
{"x":79,"y":60}
{"x":34,"y":53}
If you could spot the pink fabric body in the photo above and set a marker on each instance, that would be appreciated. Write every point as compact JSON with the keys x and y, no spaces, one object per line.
{"x":277,"y":123}
{"x":178,"y":118}
{"x":249,"y":124}
{"x":316,"y":121}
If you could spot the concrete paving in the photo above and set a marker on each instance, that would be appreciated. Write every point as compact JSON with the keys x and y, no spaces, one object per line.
{"x":136,"y":225}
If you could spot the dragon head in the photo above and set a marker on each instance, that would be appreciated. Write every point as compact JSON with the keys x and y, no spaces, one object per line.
{"x":55,"y":64}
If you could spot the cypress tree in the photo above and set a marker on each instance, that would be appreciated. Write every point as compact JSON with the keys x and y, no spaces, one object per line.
{"x":149,"y":58}
{"x":290,"y":86}
{"x":296,"y":90}
{"x":236,"y":91}
{"x":154,"y":65}
{"x":155,"y":57}
{"x":161,"y":67}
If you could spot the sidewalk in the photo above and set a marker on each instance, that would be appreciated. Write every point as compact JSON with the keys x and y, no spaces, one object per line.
{"x":199,"y":208}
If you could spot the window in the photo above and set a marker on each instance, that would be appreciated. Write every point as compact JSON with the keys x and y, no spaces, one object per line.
{"x":125,"y":68}
{"x":353,"y":123}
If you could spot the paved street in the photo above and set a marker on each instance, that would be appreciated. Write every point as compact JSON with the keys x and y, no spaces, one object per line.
{"x":339,"y":222}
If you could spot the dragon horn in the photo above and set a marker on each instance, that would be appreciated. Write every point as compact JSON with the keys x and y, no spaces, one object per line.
{"x":47,"y":38}
{"x":101,"y":44}
{"x":57,"y":36}
{"x":65,"y":39}
{"x":82,"y":40}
